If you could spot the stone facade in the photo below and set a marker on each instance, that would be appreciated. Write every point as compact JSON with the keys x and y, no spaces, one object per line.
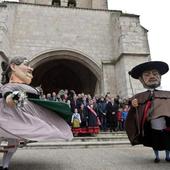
{"x":93,"y":48}
{"x":91,"y":4}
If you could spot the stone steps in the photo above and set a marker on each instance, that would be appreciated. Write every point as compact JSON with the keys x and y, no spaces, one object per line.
{"x":95,"y":139}
{"x":100,"y":140}
{"x":68,"y":145}
{"x":111,"y":134}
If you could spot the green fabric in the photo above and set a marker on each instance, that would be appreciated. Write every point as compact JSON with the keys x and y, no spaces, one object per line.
{"x":62,"y":109}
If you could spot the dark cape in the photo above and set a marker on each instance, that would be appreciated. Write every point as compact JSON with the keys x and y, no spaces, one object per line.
{"x":133,"y":124}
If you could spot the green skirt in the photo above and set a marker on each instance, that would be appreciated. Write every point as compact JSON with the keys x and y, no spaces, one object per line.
{"x":62,"y":109}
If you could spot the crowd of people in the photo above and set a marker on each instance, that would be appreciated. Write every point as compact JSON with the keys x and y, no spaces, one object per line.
{"x":107,"y":112}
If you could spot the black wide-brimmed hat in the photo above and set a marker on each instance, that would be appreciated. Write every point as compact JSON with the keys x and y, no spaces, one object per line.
{"x":137,"y":71}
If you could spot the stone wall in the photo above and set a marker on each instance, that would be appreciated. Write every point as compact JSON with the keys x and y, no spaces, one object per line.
{"x":42,"y":28}
{"x":114,"y":41}
{"x":94,"y":4}
{"x":4,"y":33}
{"x":125,"y":85}
{"x":133,"y":36}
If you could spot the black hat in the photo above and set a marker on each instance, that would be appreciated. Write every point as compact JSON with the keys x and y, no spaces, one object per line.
{"x":138,"y":70}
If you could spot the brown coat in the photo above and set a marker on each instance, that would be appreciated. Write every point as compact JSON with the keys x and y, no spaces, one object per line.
{"x":135,"y":115}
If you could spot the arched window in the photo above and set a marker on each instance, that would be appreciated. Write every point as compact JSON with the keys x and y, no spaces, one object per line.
{"x":56,"y":3}
{"x":71,"y":3}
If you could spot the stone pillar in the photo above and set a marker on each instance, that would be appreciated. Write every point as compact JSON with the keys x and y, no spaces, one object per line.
{"x":109,"y":79}
{"x":4,"y":37}
{"x":99,"y":4}
{"x":84,"y":3}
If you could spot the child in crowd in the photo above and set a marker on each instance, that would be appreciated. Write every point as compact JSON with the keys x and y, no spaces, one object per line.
{"x":124,"y":116}
{"x":76,"y":120}
{"x":119,"y":119}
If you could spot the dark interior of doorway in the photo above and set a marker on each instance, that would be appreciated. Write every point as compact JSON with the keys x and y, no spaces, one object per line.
{"x":60,"y":74}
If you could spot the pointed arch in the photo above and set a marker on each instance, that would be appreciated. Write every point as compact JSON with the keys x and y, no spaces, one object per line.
{"x":70,"y":64}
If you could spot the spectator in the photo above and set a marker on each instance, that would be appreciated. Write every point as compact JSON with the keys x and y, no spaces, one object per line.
{"x":119,"y":119}
{"x":124,"y":116}
{"x":102,"y":113}
{"x":83,"y":116}
{"x":54,"y":96}
{"x":75,"y":120}
{"x":112,"y":109}
{"x":49,"y":97}
{"x":92,"y":115}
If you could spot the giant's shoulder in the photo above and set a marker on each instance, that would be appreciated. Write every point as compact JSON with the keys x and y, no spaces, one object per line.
{"x":9,"y":87}
{"x":157,"y":93}
{"x":162,"y":93}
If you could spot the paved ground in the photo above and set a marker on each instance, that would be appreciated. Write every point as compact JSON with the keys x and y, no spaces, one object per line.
{"x":116,"y":158}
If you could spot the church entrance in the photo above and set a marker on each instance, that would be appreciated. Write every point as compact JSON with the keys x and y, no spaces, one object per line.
{"x":56,"y":73}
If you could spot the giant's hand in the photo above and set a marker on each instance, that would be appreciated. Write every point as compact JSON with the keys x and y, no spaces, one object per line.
{"x":16,"y":98}
{"x":9,"y":100}
{"x":134,"y":103}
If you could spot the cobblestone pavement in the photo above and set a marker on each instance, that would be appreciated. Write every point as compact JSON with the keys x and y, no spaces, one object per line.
{"x":116,"y":158}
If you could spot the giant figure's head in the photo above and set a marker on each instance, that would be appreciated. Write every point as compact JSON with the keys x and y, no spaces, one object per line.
{"x":16,"y":71}
{"x":149,"y":73}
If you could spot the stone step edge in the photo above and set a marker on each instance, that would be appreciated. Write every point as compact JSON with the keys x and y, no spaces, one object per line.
{"x":53,"y":144}
{"x":100,"y":137}
{"x":111,"y":134}
{"x":118,"y":132}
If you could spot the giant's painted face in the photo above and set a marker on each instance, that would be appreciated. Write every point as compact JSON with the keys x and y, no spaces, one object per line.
{"x":21,"y":73}
{"x":151,"y":79}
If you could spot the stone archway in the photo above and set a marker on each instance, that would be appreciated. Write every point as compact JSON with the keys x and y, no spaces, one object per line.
{"x":65,"y":69}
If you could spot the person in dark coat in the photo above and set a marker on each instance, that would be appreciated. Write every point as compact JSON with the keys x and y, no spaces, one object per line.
{"x":92,"y":115}
{"x":111,"y":112}
{"x":148,"y":120}
{"x":83,"y":115}
{"x":102,"y":113}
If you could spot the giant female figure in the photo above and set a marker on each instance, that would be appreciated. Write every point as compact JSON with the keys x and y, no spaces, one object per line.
{"x":21,"y":119}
